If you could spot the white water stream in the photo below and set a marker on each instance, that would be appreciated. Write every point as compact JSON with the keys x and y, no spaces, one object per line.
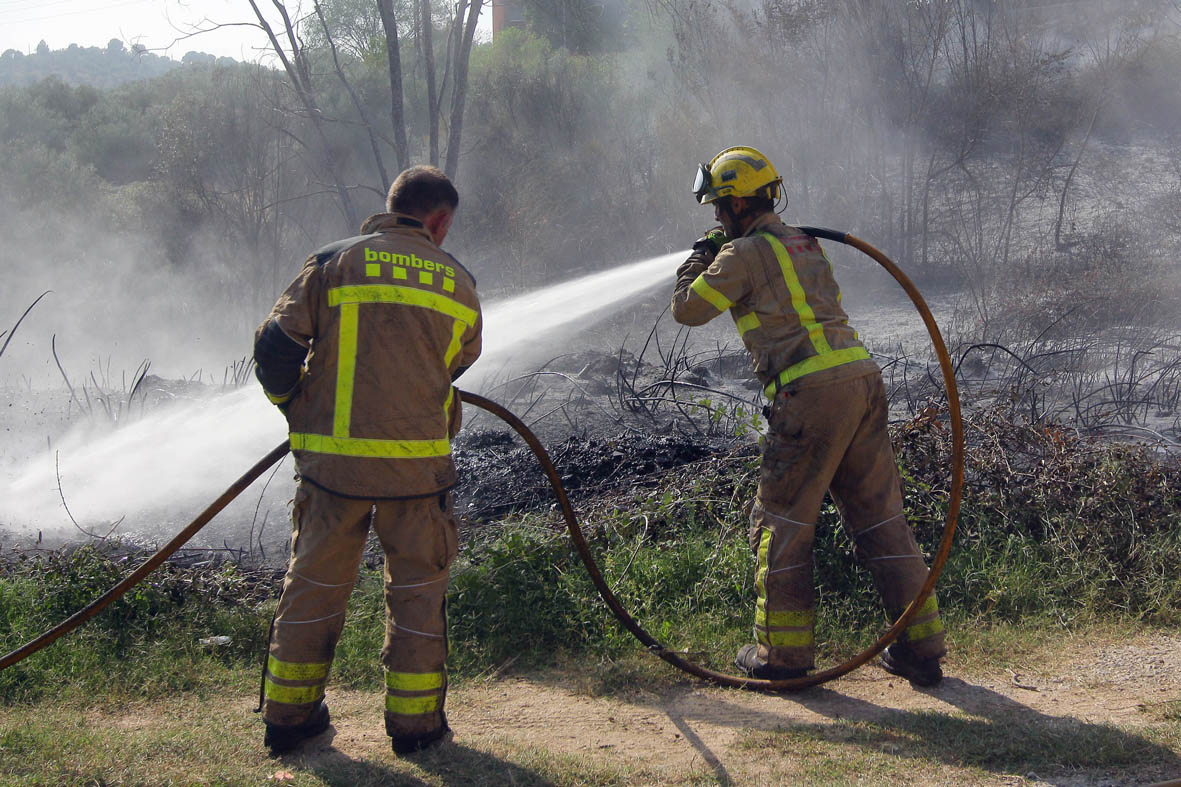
{"x":162,"y":468}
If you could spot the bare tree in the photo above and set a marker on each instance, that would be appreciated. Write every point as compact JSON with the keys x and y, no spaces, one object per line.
{"x":389,"y":24}
{"x":359,"y":105}
{"x":295,"y":62}
{"x":426,"y":25}
{"x":466,"y":31}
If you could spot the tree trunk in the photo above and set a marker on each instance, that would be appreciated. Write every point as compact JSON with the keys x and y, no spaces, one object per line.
{"x":357,"y":103}
{"x":459,"y":95}
{"x":300,"y":75}
{"x":428,"y":58}
{"x":397,"y":112}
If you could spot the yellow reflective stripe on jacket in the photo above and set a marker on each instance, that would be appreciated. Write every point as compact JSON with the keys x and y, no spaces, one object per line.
{"x":294,"y":670}
{"x":349,"y":298}
{"x":281,"y":398}
{"x":799,"y":299}
{"x":375,"y":448}
{"x":710,"y":295}
{"x":346,"y":368}
{"x":411,"y":706}
{"x":410,"y":296}
{"x":457,"y":331}
{"x":414,"y":681}
{"x":815,"y":364}
{"x":292,"y":695}
{"x":747,"y":322}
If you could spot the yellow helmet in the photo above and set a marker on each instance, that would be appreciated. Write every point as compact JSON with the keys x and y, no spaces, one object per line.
{"x":736,"y":172}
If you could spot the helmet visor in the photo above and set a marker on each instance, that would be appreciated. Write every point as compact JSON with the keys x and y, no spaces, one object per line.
{"x":703,"y":183}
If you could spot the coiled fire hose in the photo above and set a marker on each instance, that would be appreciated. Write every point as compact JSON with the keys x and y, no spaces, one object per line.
{"x":625,"y":619}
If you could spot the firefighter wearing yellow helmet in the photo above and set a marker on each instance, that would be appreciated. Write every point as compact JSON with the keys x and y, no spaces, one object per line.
{"x":736,"y":172}
{"x":826,"y":421}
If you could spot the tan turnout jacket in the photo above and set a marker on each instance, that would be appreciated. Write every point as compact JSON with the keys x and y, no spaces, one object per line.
{"x":826,"y":433}
{"x":389,"y":318}
{"x":779,"y":288}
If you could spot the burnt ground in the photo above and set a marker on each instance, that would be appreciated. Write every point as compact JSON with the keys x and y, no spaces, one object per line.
{"x":500,"y":474}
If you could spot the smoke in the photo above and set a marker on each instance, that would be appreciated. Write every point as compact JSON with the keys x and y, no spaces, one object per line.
{"x":114,"y":302}
{"x":172,"y":461}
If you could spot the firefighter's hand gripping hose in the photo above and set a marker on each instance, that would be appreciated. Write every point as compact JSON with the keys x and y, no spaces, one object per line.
{"x":672,"y":657}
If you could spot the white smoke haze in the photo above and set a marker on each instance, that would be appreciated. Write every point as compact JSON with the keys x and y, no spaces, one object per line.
{"x":166,"y":465}
{"x":161,"y":468}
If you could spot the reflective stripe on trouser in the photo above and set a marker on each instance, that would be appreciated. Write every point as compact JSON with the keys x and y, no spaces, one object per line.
{"x":420,"y":540}
{"x":784,"y":613}
{"x":327,"y":544}
{"x":414,"y":701}
{"x":835,"y":435}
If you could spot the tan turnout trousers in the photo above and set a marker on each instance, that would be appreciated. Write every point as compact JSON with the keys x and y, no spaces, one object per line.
{"x":420,"y":540}
{"x":832,"y":438}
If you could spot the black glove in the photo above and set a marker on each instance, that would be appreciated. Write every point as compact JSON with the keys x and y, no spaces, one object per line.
{"x":711,"y":242}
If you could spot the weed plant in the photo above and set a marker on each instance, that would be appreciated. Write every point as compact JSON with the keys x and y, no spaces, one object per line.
{"x":146,"y":643}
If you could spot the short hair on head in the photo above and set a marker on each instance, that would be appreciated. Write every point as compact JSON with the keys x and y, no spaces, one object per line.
{"x":421,"y":190}
{"x":756,"y":203}
{"x":760,"y":203}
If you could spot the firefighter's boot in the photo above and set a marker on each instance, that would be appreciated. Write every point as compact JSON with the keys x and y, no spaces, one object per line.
{"x":751,"y":664}
{"x":282,"y":738}
{"x":408,"y":744}
{"x":900,"y":660}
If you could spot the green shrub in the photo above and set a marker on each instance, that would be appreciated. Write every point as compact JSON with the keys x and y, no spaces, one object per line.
{"x":145,"y":642}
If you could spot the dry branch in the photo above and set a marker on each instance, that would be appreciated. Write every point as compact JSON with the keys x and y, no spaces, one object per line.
{"x":12,"y":331}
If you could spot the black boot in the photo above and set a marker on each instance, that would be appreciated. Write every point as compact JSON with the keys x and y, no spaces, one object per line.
{"x":749,"y":662}
{"x":408,"y":744}
{"x":281,"y":738}
{"x":900,"y":660}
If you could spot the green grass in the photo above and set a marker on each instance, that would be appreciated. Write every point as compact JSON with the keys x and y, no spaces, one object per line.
{"x":183,"y":741}
{"x":901,"y":744}
{"x":152,"y":633}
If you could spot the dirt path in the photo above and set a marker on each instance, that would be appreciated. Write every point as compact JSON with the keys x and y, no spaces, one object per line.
{"x":1094,"y":696}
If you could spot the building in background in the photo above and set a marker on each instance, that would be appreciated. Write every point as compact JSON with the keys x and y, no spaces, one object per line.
{"x":507,"y":13}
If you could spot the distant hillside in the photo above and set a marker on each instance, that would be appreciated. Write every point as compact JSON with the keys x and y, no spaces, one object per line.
{"x":99,"y":67}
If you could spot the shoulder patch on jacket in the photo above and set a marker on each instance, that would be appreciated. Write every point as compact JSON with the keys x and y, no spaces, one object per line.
{"x":462,"y":267}
{"x":323,"y":255}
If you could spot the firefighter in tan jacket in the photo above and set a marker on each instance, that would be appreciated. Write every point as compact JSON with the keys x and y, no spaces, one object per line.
{"x":361,"y":352}
{"x":826,"y":421}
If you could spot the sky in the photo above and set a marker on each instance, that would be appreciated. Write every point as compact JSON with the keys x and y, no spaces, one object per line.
{"x":157,"y":24}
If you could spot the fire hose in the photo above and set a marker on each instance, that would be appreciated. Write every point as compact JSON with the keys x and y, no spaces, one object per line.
{"x":625,"y":619}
